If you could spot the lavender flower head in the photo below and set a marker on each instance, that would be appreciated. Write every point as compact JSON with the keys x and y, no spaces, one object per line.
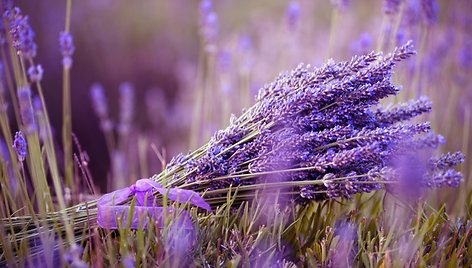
{"x":293,"y":15}
{"x":321,"y":132}
{"x":430,"y":11}
{"x":126,"y":107}
{"x":21,"y":32}
{"x":391,"y":6}
{"x":100,"y":106}
{"x":73,"y":257}
{"x":208,"y":25}
{"x":20,"y":146}
{"x":66,"y":43}
{"x":35,"y":73}
{"x":26,"y":109}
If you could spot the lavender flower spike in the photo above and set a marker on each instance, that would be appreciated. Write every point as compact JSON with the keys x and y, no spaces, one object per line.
{"x":66,"y":43}
{"x":35,"y":73}
{"x":126,"y":107}
{"x":26,"y":109}
{"x":19,"y":145}
{"x":293,"y":15}
{"x":21,"y":33}
{"x":99,"y":102}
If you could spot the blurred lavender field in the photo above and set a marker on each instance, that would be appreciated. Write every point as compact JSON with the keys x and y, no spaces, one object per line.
{"x":152,"y":79}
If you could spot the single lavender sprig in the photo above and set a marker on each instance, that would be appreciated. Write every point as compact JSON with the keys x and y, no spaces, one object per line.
{"x":126,"y":107}
{"x":66,"y":43}
{"x":208,"y":25}
{"x":26,"y":109}
{"x":100,"y":106}
{"x":20,"y":146}
{"x":293,"y":15}
{"x":35,"y":73}
{"x":21,"y":32}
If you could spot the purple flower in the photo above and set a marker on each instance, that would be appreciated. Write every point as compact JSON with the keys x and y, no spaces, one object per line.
{"x":391,"y":6}
{"x":126,"y":107}
{"x":206,"y":6}
{"x":20,"y":146}
{"x":73,"y":257}
{"x":293,"y":15}
{"x":99,"y":100}
{"x":35,"y":73}
{"x":430,"y":10}
{"x":66,"y":43}
{"x":362,"y":45}
{"x":465,"y":55}
{"x":208,"y":25}
{"x":20,"y":32}
{"x":346,"y":248}
{"x":26,"y":109}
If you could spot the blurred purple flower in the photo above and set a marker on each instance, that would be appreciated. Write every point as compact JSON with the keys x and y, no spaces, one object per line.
{"x":362,"y":45}
{"x":126,"y":108}
{"x":430,"y":10}
{"x":412,"y":12}
{"x":208,"y":25}
{"x":293,"y":15}
{"x":344,"y":252}
{"x":224,"y":61}
{"x":66,"y":44}
{"x":20,"y":146}
{"x":244,"y":50}
{"x":391,"y":6}
{"x":120,"y":169}
{"x":99,"y":103}
{"x":73,"y":257}
{"x":26,"y":109}
{"x":35,"y":73}
{"x":20,"y":31}
{"x":206,"y":7}
{"x":128,"y":261}
{"x":465,"y":55}
{"x":99,"y":100}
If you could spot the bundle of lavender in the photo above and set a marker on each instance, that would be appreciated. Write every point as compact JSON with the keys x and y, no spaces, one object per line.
{"x":319,"y":134}
{"x":313,"y":134}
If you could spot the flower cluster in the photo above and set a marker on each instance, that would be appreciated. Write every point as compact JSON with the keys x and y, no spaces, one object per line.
{"x":20,"y":31}
{"x":20,"y":146}
{"x":66,"y":43}
{"x":322,"y":131}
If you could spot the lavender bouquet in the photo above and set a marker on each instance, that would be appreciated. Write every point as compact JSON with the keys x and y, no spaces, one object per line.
{"x":313,"y":134}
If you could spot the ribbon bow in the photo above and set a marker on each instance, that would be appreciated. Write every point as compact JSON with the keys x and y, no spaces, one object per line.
{"x":110,"y":208}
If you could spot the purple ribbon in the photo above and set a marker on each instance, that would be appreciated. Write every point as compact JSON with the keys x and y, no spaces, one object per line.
{"x":143,"y":190}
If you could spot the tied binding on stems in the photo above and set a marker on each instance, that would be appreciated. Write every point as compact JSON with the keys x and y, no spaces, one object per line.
{"x":109,"y":208}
